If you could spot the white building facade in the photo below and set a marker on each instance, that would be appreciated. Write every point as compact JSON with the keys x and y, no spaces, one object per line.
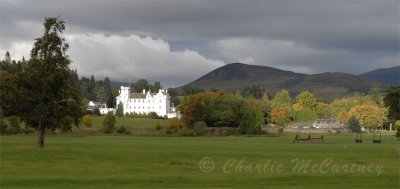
{"x":146,"y":102}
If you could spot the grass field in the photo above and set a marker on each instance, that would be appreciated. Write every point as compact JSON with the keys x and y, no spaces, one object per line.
{"x":198,"y":162}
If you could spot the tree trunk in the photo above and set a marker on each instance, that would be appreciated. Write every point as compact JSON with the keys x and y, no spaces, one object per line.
{"x":41,"y":134}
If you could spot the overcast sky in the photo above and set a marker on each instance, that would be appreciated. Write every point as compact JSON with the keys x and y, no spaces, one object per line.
{"x":176,"y":42}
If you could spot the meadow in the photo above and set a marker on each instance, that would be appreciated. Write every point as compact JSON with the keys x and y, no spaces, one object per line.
{"x":128,"y":161}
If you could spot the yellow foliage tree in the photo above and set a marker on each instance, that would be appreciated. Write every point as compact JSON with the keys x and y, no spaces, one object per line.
{"x":370,"y":116}
{"x":343,"y":116}
{"x":87,"y":120}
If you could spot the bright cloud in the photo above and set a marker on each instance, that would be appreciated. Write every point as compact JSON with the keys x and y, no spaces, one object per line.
{"x":133,"y":57}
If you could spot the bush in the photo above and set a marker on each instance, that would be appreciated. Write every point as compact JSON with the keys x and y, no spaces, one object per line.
{"x":231,"y":131}
{"x":3,"y":127}
{"x":185,"y":131}
{"x":153,"y":115}
{"x":96,"y":111}
{"x":158,"y":126}
{"x":14,"y":123}
{"x":87,"y":120}
{"x":175,"y":123}
{"x":28,"y":130}
{"x":109,"y":123}
{"x":127,"y":132}
{"x":121,"y":129}
{"x":200,"y":128}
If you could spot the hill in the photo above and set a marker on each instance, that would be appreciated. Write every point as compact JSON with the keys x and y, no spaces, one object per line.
{"x":386,"y":75}
{"x":236,"y":76}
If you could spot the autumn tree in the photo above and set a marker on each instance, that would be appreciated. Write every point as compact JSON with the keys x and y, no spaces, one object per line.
{"x":278,"y":113}
{"x":45,"y":99}
{"x":324,"y":111}
{"x":343,"y":116}
{"x":370,"y":116}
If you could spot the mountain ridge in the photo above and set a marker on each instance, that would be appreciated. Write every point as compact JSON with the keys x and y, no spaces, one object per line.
{"x":328,"y":85}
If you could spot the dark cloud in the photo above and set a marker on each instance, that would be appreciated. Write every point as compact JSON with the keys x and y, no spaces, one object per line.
{"x":350,"y":36}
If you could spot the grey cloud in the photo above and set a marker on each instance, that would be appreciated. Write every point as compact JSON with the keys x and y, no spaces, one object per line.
{"x":366,"y":33}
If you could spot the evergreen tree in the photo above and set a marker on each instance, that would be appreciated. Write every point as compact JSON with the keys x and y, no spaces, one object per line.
{"x":44,"y":98}
{"x":91,"y":89}
{"x":120,"y":110}
{"x":108,"y":91}
{"x":354,"y":124}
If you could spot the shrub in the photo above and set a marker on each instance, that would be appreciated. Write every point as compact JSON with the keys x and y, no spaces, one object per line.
{"x":127,"y":132}
{"x":27,"y":130}
{"x":231,"y":131}
{"x":121,"y":129}
{"x":158,"y":126}
{"x":87,"y":120}
{"x":3,"y":127}
{"x":186,"y":131}
{"x":14,"y":123}
{"x":175,"y":123}
{"x":96,"y":111}
{"x":169,"y":131}
{"x":153,"y":115}
{"x":109,"y":123}
{"x":200,"y":128}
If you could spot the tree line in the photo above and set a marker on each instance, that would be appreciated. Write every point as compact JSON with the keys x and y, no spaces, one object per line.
{"x":248,"y":112}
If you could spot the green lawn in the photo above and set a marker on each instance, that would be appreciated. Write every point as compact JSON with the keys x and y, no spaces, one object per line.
{"x":175,"y":162}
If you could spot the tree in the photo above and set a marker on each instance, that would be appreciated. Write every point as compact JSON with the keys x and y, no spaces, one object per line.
{"x":140,"y":85}
{"x":120,"y":110}
{"x":87,"y":120}
{"x":91,"y":89}
{"x":306,"y":114}
{"x":282,"y":99}
{"x":108,"y":91}
{"x":354,"y":124}
{"x":156,"y":87}
{"x":374,"y":94}
{"x":324,"y":111}
{"x":278,"y":113}
{"x":392,"y":101}
{"x":343,"y":117}
{"x":44,"y":98}
{"x":109,"y":123}
{"x":7,"y":58}
{"x":251,"y":121}
{"x":370,"y":116}
{"x":252,"y":90}
{"x":307,"y":99}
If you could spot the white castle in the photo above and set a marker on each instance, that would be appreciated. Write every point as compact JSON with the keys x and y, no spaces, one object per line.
{"x":146,"y":102}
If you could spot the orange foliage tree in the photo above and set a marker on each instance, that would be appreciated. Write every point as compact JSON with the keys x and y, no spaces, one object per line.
{"x":277,"y":113}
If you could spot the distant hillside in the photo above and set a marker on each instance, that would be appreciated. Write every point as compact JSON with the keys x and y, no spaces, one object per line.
{"x":236,"y":76}
{"x":386,"y":75}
